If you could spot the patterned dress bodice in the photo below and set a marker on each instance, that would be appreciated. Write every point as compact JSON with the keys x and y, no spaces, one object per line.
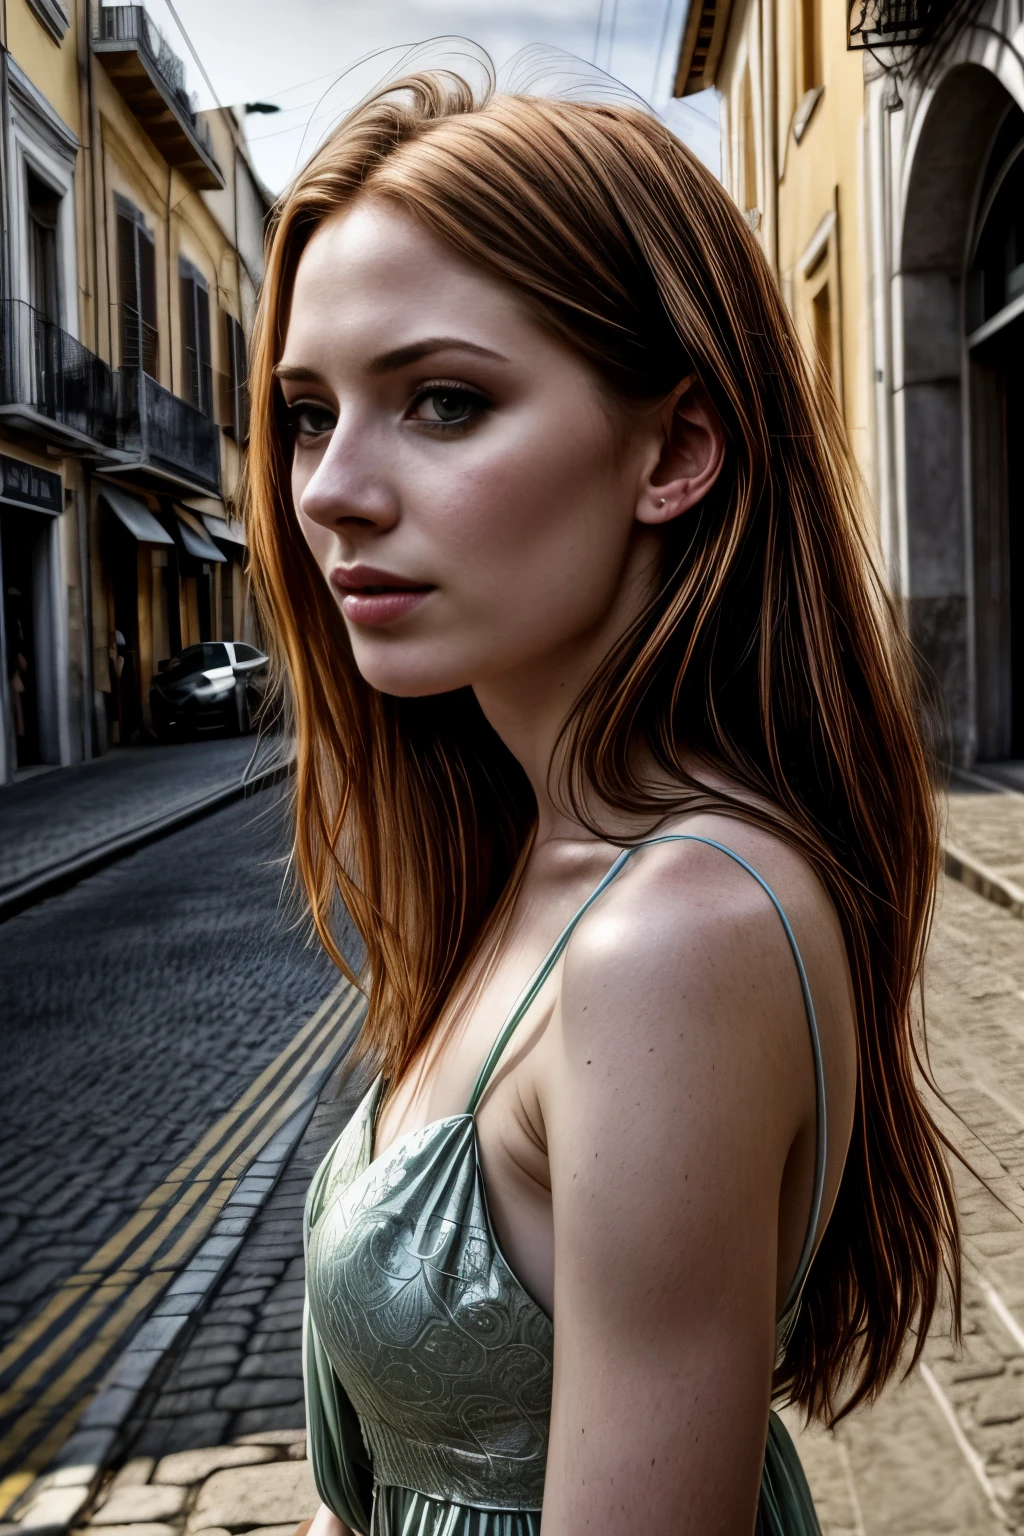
{"x":444,"y":1356}
{"x":428,"y":1365}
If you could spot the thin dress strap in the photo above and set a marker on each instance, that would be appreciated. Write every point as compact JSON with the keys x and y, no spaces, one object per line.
{"x":529,"y":995}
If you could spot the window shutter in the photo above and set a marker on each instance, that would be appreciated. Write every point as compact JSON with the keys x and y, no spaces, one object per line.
{"x":205,"y":401}
{"x":238,"y":365}
{"x":189,"y":339}
{"x":195,"y":337}
{"x":147,"y":299}
{"x":128,"y":292}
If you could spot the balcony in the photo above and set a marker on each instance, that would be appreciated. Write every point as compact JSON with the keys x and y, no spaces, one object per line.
{"x":50,"y":384}
{"x":896,"y":23}
{"x":161,"y":440}
{"x":151,"y":78}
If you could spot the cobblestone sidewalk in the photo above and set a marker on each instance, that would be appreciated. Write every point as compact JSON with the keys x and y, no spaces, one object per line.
{"x":53,"y":818}
{"x":261,"y":1483}
{"x":943,"y":1452}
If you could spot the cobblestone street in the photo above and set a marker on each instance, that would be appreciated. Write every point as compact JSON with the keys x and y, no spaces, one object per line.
{"x":215,"y":1444}
{"x":942,"y":1452}
{"x":137,"y":1009}
{"x":54,"y":816}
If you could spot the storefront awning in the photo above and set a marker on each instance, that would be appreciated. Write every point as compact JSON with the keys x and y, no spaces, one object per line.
{"x":220,"y":528}
{"x":198,"y":545}
{"x":136,"y":517}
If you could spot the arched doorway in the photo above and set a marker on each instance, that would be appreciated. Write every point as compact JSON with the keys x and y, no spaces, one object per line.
{"x":994,"y":323}
{"x":960,"y":388}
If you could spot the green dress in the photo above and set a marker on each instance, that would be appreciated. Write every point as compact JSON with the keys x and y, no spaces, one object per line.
{"x":428,"y":1366}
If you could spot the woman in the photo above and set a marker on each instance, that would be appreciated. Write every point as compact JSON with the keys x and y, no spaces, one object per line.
{"x":561,"y":549}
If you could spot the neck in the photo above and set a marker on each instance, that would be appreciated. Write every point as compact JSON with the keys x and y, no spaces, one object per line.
{"x":528,"y":707}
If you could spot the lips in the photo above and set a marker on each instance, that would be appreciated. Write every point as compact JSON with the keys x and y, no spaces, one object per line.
{"x":373,"y":597}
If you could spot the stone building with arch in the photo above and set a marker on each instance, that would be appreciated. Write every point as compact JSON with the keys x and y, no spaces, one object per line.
{"x":947,"y":210}
{"x":887,"y":189}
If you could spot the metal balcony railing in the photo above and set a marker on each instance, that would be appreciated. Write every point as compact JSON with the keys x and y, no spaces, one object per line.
{"x":163,"y":434}
{"x":895,"y":23}
{"x":132,"y":24}
{"x":52,"y":376}
{"x":199,"y":377}
{"x":151,"y":77}
{"x":140,"y":342}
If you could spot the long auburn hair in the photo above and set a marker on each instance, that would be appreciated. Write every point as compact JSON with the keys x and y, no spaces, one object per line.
{"x":770,"y":649}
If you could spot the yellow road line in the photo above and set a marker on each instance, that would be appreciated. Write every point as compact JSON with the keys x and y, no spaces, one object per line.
{"x":91,"y":1272}
{"x":266,"y":1077}
{"x":90,"y":1311}
{"x":115,"y":1246}
{"x":272,"y":1116}
{"x":40,"y":1456}
{"x":85,"y":1362}
{"x":12,"y":1488}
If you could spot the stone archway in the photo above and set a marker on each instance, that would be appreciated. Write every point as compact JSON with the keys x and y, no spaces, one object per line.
{"x":945,"y":174}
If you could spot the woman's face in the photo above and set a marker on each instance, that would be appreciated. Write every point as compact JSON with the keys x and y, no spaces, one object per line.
{"x":457,"y":472}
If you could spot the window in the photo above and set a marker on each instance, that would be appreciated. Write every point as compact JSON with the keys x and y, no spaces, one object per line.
{"x":749,"y":146}
{"x":215,"y":655}
{"x":821,"y":319}
{"x":199,"y":658}
{"x":996,"y":277}
{"x":136,"y":282}
{"x":195,"y":336}
{"x":247,"y":652}
{"x":43,"y":211}
{"x":235,"y":418}
{"x":810,"y":45}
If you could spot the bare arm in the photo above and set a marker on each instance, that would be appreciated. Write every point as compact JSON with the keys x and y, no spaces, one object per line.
{"x":324,"y":1523}
{"x":683,"y":1081}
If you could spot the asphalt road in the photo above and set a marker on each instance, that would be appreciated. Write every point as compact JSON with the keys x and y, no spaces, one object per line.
{"x":135,"y":1009}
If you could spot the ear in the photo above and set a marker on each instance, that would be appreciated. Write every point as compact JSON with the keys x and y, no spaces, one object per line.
{"x":691,"y":457}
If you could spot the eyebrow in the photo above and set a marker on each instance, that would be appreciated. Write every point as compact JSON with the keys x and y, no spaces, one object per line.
{"x":398,"y":357}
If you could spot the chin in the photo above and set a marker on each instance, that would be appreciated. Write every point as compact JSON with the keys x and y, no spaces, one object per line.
{"x":410,"y":678}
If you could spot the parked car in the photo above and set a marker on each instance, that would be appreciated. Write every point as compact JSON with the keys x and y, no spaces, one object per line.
{"x":216,"y":686}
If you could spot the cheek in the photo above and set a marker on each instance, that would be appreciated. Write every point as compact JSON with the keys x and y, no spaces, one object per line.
{"x":321,"y":541}
{"x":541,"y":497}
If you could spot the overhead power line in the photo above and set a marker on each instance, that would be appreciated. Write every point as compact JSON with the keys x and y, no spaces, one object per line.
{"x":191,"y":48}
{"x":662,"y":45}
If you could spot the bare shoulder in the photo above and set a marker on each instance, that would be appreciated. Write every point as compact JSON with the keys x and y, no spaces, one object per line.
{"x":684,"y":961}
{"x":691,"y":902}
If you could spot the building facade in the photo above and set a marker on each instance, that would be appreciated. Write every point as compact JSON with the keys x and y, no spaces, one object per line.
{"x":793,"y":157}
{"x":133,"y":254}
{"x":887,"y":186}
{"x":947,"y":204}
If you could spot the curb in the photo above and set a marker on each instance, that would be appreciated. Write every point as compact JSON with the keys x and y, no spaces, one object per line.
{"x":983,"y":881}
{"x":60,"y":877}
{"x":59,"y":1495}
{"x":978,"y":877}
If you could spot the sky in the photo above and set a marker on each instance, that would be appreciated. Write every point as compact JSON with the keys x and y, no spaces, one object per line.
{"x":304,"y":56}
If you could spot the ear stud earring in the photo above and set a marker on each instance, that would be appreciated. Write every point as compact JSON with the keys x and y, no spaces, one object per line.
{"x":661,"y":501}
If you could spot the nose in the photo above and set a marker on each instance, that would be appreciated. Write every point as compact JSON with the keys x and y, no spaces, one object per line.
{"x":346,"y":490}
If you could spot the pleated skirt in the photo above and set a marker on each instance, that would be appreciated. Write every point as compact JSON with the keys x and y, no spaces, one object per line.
{"x":785,"y":1507}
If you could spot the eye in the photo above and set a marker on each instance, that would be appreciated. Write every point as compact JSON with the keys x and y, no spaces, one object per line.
{"x":447,"y":405}
{"x":307,"y":418}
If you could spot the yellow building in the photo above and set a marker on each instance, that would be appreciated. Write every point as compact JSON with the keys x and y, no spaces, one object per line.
{"x":887,"y":188}
{"x":134,"y":255}
{"x":792,"y":114}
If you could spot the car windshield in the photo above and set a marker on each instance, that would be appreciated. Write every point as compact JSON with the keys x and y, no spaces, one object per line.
{"x":198,"y":658}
